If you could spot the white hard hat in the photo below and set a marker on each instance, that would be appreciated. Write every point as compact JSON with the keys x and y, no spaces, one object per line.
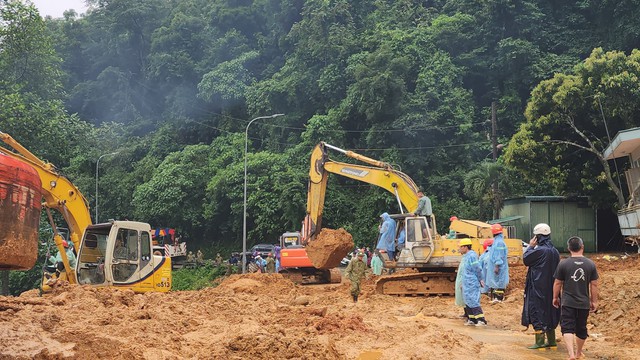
{"x":542,"y":229}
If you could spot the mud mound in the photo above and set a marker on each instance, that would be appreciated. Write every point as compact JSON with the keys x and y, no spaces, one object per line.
{"x":265,"y":316}
{"x":329,"y":247}
{"x":257,"y":283}
{"x":265,"y":346}
{"x":340,"y":323}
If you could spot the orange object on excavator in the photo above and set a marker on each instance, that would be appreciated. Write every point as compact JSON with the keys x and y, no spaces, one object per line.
{"x":20,"y":207}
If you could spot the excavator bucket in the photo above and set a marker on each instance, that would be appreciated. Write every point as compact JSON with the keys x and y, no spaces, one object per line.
{"x":328,"y":249}
{"x":20,"y":207}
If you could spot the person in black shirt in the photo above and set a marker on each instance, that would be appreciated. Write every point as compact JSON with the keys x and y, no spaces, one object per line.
{"x":577,"y":279}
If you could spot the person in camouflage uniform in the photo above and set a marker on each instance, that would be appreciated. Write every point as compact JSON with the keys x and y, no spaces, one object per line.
{"x":355,"y":272}
{"x":271,"y":264}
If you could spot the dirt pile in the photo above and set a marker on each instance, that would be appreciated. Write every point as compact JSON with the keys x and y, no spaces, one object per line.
{"x":329,"y":247}
{"x":265,"y":316}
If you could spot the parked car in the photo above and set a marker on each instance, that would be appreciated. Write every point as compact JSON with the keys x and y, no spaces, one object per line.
{"x":346,"y":260}
{"x":262,"y":249}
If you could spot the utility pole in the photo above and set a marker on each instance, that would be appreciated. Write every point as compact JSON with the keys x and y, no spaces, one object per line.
{"x":494,"y":146}
{"x":494,"y":126}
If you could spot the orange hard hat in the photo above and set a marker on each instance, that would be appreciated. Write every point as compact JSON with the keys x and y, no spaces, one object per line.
{"x":65,"y":243}
{"x":487,"y":243}
{"x":453,"y":218}
{"x":496,"y":229}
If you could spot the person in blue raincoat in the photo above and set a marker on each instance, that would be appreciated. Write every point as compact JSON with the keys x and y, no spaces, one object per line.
{"x":498,"y":265}
{"x":538,"y":310}
{"x":459,"y":300}
{"x":484,"y":263}
{"x":402,"y":236}
{"x":387,"y":236}
{"x":471,"y":283}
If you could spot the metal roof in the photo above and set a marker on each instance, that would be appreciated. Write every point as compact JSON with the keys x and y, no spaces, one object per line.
{"x":505,"y":219}
{"x":625,"y":142}
{"x":549,"y":198}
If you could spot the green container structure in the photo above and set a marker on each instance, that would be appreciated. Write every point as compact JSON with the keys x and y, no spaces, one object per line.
{"x":567,"y":216}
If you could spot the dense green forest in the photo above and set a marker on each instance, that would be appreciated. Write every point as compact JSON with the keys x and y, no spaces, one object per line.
{"x":170,"y":87}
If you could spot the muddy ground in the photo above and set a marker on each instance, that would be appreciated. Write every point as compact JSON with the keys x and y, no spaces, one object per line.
{"x":264,"y":316}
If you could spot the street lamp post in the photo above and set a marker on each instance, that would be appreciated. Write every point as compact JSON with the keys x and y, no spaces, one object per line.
{"x":97,"y":165}
{"x":244,"y":220}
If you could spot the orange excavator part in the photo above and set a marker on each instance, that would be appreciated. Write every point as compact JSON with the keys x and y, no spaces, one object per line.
{"x":20,"y":207}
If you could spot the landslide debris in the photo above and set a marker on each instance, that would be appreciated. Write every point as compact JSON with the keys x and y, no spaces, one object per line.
{"x":329,"y":247}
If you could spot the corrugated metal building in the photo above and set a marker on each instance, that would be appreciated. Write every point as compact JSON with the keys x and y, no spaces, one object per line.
{"x":566,"y":217}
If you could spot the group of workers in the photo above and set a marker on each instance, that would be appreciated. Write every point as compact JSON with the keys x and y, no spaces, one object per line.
{"x":556,"y":292}
{"x":387,"y":241}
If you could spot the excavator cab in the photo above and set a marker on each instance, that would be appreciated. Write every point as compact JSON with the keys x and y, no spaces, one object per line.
{"x":119,"y":254}
{"x":419,"y":240}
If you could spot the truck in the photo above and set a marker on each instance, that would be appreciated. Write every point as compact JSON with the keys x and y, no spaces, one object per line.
{"x":166,"y":243}
{"x":112,"y":254}
{"x":434,"y":258}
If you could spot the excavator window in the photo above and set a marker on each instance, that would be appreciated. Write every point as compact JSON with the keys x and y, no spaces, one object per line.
{"x":417,"y":229}
{"x":91,"y":257}
{"x":145,"y":249}
{"x":125,"y":255}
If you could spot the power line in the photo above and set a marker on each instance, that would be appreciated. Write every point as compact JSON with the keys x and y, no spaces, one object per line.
{"x":374,"y":130}
{"x":358,"y":149}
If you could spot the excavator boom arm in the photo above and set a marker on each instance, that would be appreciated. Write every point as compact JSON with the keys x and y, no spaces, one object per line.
{"x":396,"y":182}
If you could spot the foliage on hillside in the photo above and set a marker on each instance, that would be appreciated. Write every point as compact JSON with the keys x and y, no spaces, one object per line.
{"x":171,"y":86}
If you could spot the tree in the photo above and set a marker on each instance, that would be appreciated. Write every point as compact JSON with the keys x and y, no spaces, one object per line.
{"x":564,"y":136}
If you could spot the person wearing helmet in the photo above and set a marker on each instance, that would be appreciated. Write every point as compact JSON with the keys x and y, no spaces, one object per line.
{"x":355,"y":271}
{"x":471,"y":283}
{"x":497,"y":265}
{"x":459,"y":299}
{"x":538,"y":310}
{"x":484,"y":264}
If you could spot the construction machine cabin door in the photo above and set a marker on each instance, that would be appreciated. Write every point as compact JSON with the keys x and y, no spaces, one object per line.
{"x":92,"y":268}
{"x":419,"y":244}
{"x":131,"y":264}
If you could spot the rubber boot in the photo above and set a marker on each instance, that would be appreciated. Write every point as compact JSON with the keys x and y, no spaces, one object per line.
{"x":551,"y":339}
{"x":355,"y":298}
{"x":539,"y":342}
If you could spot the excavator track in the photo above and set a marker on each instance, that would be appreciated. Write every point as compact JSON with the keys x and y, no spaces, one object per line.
{"x":417,"y":284}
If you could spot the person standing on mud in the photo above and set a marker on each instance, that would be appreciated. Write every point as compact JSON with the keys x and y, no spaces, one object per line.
{"x":459,"y":300}
{"x":270,"y":264}
{"x":376,"y":264}
{"x":577,"y":279}
{"x":484,"y":265}
{"x":542,"y":259}
{"x":497,"y":265}
{"x":355,"y":272}
{"x":471,"y":283}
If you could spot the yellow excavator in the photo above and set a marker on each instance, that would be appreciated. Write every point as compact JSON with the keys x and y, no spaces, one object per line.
{"x":116,"y":253}
{"x":435,"y":258}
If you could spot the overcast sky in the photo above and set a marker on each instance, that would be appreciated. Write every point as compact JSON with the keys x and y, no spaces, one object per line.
{"x":55,"y":8}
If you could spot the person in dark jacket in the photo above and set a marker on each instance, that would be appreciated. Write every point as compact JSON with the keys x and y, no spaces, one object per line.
{"x":538,"y":310}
